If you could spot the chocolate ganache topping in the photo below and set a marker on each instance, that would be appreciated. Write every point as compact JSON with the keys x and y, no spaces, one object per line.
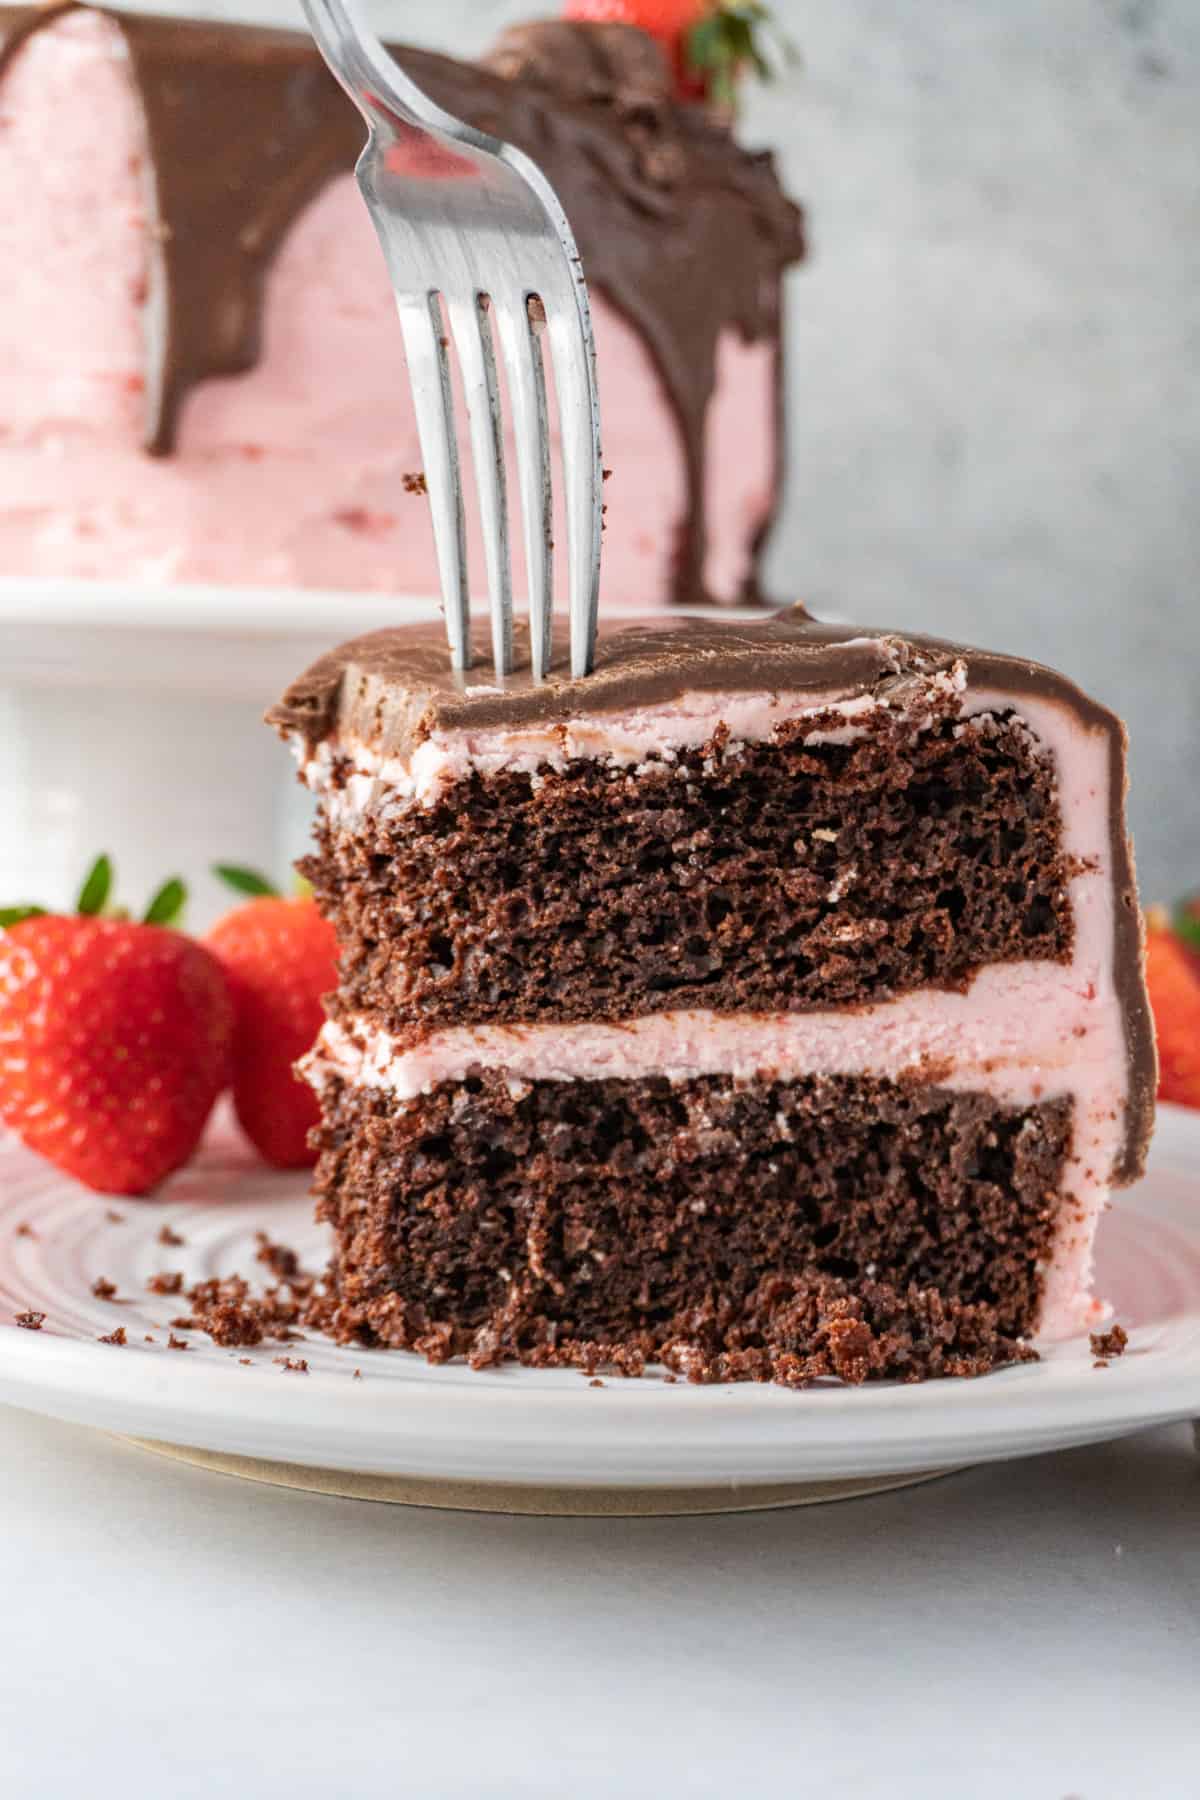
{"x":685,"y":232}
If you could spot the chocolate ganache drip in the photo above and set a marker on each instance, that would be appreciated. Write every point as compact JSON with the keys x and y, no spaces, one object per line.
{"x":686,"y":233}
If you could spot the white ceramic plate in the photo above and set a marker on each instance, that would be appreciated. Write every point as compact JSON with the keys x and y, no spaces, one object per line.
{"x":131,"y":721}
{"x":528,"y":1426}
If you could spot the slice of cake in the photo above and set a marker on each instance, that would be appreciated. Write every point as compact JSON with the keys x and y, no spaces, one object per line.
{"x":201,"y":372}
{"x":769,"y":1004}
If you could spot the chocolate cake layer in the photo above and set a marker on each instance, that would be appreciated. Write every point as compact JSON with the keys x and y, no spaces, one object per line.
{"x":769,"y":1230}
{"x":774,"y":877}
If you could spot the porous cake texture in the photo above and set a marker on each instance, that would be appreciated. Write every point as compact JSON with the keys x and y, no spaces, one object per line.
{"x":767,"y":1005}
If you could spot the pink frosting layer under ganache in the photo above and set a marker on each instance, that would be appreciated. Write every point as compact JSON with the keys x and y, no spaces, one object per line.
{"x":1023,"y":1033}
{"x":293,"y":474}
{"x":619,"y":739}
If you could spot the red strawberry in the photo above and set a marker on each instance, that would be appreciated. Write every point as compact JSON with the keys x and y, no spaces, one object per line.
{"x":667,"y":21}
{"x":1175,"y":997}
{"x":709,"y":42}
{"x":280,"y":957}
{"x":115,"y":1039}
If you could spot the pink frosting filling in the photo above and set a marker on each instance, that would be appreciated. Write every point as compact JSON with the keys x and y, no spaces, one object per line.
{"x":290,"y":475}
{"x":622,"y":739}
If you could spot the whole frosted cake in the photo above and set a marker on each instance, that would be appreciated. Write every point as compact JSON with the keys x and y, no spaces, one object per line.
{"x":769,"y":1004}
{"x":201,"y":376}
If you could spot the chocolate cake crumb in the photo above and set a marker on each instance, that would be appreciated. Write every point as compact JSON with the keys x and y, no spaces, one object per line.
{"x":358,"y":1374}
{"x":1112,"y":1342}
{"x":229,"y":1311}
{"x":229,"y":1315}
{"x":246,"y":1362}
{"x":168,"y":1282}
{"x":282,"y":1262}
{"x":30,"y":1321}
{"x":175,"y":1343}
{"x":295,"y":1365}
{"x":171,"y":1239}
{"x":414,"y":482}
{"x":114,"y":1217}
{"x":149,"y":1340}
{"x":25,"y":1229}
{"x":104,"y":1290}
{"x":114,"y":1337}
{"x":595,"y":1382}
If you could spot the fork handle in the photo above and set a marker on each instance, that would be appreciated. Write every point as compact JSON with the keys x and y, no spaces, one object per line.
{"x":372,"y":78}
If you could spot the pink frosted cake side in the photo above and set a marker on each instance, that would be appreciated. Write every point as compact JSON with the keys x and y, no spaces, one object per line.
{"x":201,"y":376}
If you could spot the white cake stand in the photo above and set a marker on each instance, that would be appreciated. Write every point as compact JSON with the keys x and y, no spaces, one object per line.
{"x":131,"y":721}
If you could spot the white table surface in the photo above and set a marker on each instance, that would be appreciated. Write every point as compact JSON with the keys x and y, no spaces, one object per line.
{"x":1024,"y":1631}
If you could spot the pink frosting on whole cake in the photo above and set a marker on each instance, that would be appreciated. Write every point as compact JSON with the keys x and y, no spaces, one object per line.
{"x":75,"y":271}
{"x":292,"y":474}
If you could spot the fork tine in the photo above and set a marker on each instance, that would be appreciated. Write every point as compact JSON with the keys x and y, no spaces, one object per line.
{"x":472,"y":333}
{"x":429,"y":376}
{"x":502,"y":222}
{"x":527,"y":393}
{"x":579,"y":412}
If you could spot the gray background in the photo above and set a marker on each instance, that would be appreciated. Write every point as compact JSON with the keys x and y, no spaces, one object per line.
{"x":995,"y":403}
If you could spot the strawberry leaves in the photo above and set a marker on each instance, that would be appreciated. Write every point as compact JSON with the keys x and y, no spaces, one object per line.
{"x":729,"y":39}
{"x":97,"y":886}
{"x":1185,"y":922}
{"x":246,"y":881}
{"x":17,"y":915}
{"x":95,"y":901}
{"x":167,"y":906}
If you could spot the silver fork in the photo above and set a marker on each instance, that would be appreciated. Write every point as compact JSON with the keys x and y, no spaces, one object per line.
{"x":471,"y":223}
